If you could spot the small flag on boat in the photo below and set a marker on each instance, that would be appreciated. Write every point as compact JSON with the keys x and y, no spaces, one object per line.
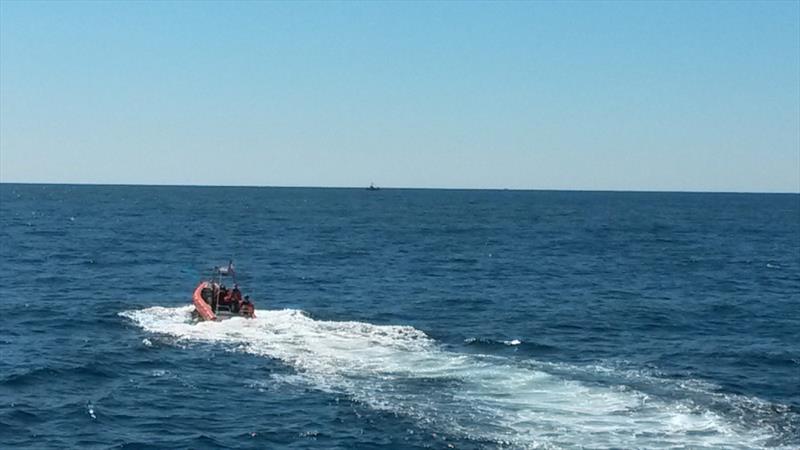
{"x":226,"y":270}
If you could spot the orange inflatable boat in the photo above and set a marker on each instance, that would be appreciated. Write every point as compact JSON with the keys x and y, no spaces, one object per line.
{"x":214,"y":301}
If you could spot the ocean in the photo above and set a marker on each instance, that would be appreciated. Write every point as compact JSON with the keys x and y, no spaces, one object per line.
{"x":399,"y":319}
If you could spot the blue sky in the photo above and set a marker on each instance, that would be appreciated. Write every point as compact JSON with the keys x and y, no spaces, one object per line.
{"x":569,"y":95}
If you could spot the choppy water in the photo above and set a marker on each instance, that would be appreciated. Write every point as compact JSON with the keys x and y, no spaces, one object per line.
{"x":400,"y":319}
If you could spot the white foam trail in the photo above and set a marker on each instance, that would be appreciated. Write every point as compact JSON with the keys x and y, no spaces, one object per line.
{"x":400,"y":369}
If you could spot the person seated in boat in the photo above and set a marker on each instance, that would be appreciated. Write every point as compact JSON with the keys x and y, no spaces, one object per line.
{"x":234,"y":298}
{"x":235,"y":294}
{"x":224,"y":295}
{"x":230,"y":298}
{"x":246,"y":307}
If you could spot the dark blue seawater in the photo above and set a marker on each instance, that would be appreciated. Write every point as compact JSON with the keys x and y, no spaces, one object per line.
{"x":400,"y":319}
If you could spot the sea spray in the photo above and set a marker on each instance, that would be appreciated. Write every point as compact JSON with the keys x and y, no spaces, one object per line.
{"x":399,"y":369}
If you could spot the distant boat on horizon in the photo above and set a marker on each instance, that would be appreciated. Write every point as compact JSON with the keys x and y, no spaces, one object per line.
{"x":372,"y":187}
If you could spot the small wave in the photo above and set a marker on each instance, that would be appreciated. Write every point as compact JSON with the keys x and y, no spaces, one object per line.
{"x":20,"y":414}
{"x":485,"y":398}
{"x":504,"y":344}
{"x":511,"y":342}
{"x":45,"y":374}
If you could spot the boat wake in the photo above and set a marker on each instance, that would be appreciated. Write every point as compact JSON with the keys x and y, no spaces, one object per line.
{"x":399,"y":369}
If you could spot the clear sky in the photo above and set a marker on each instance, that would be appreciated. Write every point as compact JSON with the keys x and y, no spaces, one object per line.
{"x":569,"y":95}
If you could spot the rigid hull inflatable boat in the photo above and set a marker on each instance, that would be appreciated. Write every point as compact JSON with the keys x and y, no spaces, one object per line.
{"x":214,"y":301}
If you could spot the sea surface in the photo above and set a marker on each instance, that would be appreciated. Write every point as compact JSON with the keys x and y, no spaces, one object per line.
{"x":399,"y":319}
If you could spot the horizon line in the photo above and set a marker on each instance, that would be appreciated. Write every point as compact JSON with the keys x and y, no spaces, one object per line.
{"x":246,"y":186}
